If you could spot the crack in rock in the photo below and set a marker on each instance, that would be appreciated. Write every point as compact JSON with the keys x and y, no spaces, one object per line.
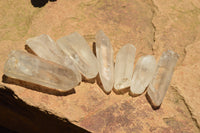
{"x":188,"y":108}
{"x":154,"y":10}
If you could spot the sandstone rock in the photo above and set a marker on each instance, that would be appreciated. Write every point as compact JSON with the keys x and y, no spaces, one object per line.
{"x":152,"y":26}
{"x":186,"y":79}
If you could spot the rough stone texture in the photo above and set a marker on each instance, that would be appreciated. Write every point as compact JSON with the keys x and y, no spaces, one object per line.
{"x":187,"y":79}
{"x":23,"y":117}
{"x":175,"y":25}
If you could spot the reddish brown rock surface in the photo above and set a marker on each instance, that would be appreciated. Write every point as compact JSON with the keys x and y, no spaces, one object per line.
{"x":152,"y":26}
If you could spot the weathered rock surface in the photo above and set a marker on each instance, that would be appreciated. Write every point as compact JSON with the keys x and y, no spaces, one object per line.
{"x":21,"y":117}
{"x":175,"y":26}
{"x":186,"y":79}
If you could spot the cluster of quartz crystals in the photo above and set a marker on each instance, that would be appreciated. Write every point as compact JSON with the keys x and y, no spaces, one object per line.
{"x":60,"y":65}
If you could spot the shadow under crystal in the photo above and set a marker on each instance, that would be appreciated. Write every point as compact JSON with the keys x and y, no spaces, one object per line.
{"x":151,"y":103}
{"x":99,"y":83}
{"x":121,"y":91}
{"x":94,"y":49}
{"x":21,"y":117}
{"x":84,"y":79}
{"x":29,"y":50}
{"x":136,"y":95}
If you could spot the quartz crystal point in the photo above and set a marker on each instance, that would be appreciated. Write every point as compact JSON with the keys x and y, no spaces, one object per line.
{"x":46,"y":48}
{"x":124,"y":66}
{"x":24,"y":66}
{"x":104,"y":53}
{"x":76,"y":47}
{"x":159,"y":85}
{"x":143,"y":74}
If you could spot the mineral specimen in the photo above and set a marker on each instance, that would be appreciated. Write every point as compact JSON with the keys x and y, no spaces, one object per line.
{"x":143,"y":74}
{"x":57,"y":65}
{"x":104,"y":53}
{"x":30,"y":68}
{"x":76,"y":47}
{"x":159,"y":85}
{"x":124,"y":66}
{"x":46,"y":48}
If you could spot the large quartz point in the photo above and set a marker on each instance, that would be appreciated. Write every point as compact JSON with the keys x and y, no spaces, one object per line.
{"x":124,"y":66}
{"x":143,"y":74}
{"x":24,"y":66}
{"x":76,"y":47}
{"x":104,"y":53}
{"x":46,"y":48}
{"x":159,"y":85}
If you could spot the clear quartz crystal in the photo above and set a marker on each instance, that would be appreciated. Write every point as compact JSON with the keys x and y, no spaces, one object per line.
{"x":124,"y":66}
{"x":44,"y":47}
{"x":104,"y":53}
{"x":159,"y":85}
{"x":79,"y":51}
{"x":143,"y":74}
{"x":30,"y":68}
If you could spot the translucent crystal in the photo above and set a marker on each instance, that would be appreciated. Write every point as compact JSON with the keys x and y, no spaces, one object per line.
{"x":79,"y":51}
{"x":143,"y":74}
{"x":46,"y":48}
{"x":30,"y":68}
{"x":159,"y":85}
{"x":104,"y":53}
{"x":124,"y":66}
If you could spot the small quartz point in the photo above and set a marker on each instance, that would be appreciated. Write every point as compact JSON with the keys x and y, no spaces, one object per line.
{"x":104,"y":53}
{"x":143,"y":74}
{"x":24,"y":66}
{"x":159,"y":85}
{"x":44,"y":47}
{"x":124,"y":66}
{"x":76,"y":47}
